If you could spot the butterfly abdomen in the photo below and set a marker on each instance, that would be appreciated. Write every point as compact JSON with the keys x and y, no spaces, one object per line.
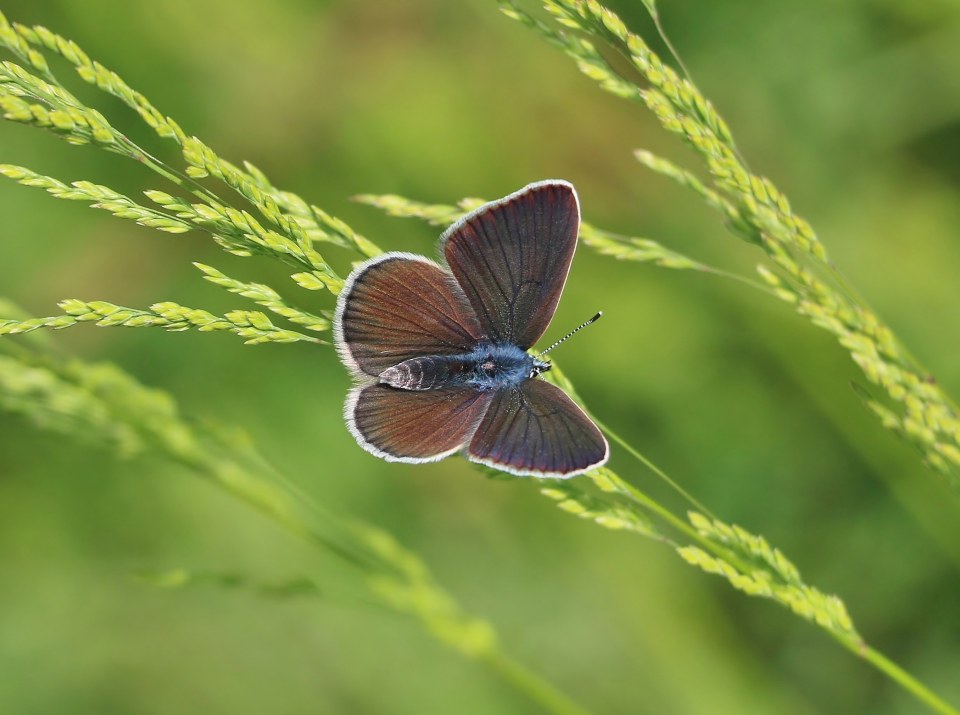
{"x":425,"y":373}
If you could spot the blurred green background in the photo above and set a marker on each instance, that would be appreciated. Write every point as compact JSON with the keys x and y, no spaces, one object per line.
{"x":854,"y":110}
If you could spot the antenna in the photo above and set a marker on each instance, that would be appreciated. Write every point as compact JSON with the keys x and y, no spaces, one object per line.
{"x":592,"y":320}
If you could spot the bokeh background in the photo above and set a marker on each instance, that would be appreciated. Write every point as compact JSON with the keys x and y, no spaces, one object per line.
{"x":853,"y":108}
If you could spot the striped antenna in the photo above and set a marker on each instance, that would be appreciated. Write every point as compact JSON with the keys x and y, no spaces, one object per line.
{"x":592,"y":320}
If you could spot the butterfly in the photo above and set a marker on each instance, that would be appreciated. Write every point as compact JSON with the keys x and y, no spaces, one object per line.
{"x":440,"y":351}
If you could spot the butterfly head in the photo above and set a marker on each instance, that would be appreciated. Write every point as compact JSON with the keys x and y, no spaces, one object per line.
{"x":538,"y":367}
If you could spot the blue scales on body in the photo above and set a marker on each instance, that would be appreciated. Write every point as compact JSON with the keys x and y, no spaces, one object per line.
{"x":487,"y":367}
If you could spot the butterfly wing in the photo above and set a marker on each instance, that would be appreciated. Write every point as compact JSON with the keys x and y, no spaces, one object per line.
{"x":398,"y":306}
{"x":511,"y":258}
{"x":537,"y":430}
{"x":414,"y":426}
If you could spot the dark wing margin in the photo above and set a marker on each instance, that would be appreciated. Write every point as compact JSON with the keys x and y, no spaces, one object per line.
{"x":405,"y":426}
{"x":536,"y":430}
{"x":511,"y":258}
{"x":398,"y":306}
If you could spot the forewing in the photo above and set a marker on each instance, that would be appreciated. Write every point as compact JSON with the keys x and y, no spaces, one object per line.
{"x":512,"y":256}
{"x":537,"y":430}
{"x":405,"y":426}
{"x":399,"y":306}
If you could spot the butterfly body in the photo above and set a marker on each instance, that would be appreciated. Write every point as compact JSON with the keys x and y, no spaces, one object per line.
{"x":486,"y":367}
{"x":440,"y":352}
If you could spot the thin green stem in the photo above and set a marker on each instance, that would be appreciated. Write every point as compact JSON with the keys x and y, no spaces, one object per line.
{"x":655,"y":16}
{"x":661,"y":31}
{"x":180,"y":179}
{"x":636,"y":454}
{"x":737,"y":277}
{"x":632,"y":493}
{"x":635,"y":495}
{"x":346,"y":538}
{"x":901,"y":677}
{"x":537,"y":689}
{"x":279,"y":506}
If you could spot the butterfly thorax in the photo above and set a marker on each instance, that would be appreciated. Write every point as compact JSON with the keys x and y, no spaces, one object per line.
{"x":486,"y":367}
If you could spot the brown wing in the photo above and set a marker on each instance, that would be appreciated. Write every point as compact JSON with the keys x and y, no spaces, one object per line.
{"x":414,"y":426}
{"x":399,"y":306}
{"x":512,"y":256}
{"x":537,"y":430}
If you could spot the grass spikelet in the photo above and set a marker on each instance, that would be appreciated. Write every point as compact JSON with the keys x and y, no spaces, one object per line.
{"x":400,"y":207}
{"x":608,"y":513}
{"x":761,"y":570}
{"x":73,"y":125}
{"x":99,"y":197}
{"x":317,"y":224}
{"x":273,"y":589}
{"x":412,"y":590}
{"x":640,"y":250}
{"x":253,"y":326}
{"x":266,"y":296}
{"x":292,"y":238}
{"x":96,"y":74}
{"x":686,"y":178}
{"x":240,"y":233}
{"x":63,"y":406}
